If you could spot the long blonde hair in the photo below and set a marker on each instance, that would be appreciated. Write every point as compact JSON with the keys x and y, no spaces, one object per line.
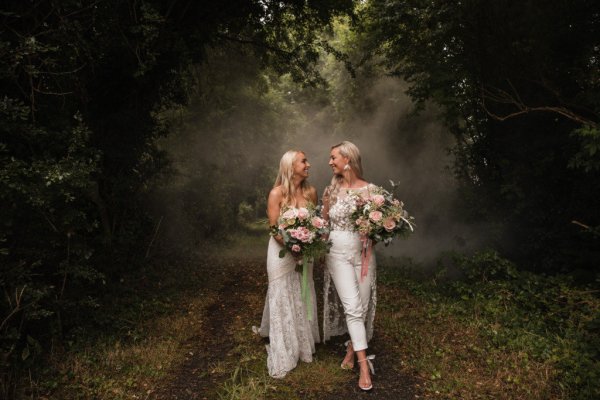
{"x":349,"y":150}
{"x":285,"y":179}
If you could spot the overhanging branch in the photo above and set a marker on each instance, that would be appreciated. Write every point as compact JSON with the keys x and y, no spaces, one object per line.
{"x":500,"y":96}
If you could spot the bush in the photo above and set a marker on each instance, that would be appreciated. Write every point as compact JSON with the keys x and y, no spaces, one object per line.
{"x":246,"y":212}
{"x":549,"y":317}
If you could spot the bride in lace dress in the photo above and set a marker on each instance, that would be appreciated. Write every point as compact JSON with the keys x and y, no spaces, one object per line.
{"x":350,"y":296}
{"x":291,"y":335}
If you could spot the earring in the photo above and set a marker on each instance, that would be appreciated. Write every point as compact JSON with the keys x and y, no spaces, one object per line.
{"x":346,"y":167}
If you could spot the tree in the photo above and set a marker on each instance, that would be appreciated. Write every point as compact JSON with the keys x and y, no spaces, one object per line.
{"x":519,"y":87}
{"x":83,"y":86}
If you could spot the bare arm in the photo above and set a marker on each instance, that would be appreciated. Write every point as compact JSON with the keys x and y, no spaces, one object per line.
{"x":325,"y":216}
{"x":312,"y":194}
{"x":274,"y":209}
{"x":326,"y":200}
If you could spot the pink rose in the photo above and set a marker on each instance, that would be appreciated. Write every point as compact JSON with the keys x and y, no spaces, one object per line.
{"x":282,"y":227}
{"x":375,"y":216}
{"x":302,"y":213}
{"x":302,"y":234}
{"x":318,"y":222}
{"x":378,"y":200}
{"x":389,"y":224}
{"x":290,"y":213}
{"x":296,"y":248}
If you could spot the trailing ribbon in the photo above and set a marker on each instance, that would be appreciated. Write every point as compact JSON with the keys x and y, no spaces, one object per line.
{"x":365,"y":256}
{"x":305,"y":290}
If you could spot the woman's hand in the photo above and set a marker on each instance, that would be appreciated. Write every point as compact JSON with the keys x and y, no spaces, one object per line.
{"x":297,"y":257}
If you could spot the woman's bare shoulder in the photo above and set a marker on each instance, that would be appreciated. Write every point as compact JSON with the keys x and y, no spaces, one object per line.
{"x":276,"y":193}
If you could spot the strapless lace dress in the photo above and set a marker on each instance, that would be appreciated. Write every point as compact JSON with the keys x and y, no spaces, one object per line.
{"x":292,"y":336}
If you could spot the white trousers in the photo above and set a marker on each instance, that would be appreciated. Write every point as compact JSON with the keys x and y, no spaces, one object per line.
{"x":344,"y":265}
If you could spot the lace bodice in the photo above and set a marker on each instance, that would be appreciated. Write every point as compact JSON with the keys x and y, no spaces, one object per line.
{"x":342,"y":203}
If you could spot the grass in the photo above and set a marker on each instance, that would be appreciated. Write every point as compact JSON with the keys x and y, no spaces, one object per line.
{"x":451,"y":356}
{"x":494,"y":334}
{"x":131,"y":364}
{"x":250,"y":379}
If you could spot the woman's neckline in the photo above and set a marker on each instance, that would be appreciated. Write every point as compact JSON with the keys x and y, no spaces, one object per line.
{"x":358,"y":188}
{"x":305,"y":205}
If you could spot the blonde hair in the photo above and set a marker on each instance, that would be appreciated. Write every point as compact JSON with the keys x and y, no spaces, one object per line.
{"x":285,"y":179}
{"x":349,"y":150}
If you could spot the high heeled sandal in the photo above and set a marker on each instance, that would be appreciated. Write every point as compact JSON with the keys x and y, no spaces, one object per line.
{"x":344,"y":365}
{"x":371,"y":368}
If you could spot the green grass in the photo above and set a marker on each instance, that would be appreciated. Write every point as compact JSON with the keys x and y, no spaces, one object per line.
{"x":125,"y":364}
{"x":496,"y":333}
{"x":250,"y":379}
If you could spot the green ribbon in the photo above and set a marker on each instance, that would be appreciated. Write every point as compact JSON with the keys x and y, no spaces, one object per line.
{"x":305,"y":291}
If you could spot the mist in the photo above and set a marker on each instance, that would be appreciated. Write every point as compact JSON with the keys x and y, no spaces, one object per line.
{"x":240,"y":148}
{"x":412,"y":150}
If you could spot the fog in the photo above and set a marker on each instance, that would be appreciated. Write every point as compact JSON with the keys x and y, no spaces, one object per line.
{"x":399,"y":146}
{"x":233,"y":138}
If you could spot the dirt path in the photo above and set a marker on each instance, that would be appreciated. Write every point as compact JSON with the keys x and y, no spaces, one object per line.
{"x":213,"y":346}
{"x":225,"y":360}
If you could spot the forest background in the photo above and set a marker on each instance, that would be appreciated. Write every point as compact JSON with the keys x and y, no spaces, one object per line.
{"x":134,"y":130}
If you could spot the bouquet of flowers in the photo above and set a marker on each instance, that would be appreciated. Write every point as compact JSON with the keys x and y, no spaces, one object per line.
{"x":303,"y":231}
{"x":381,"y":217}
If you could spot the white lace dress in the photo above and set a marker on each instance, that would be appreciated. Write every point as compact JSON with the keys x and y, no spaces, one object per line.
{"x":285,"y":321}
{"x":347,"y":246}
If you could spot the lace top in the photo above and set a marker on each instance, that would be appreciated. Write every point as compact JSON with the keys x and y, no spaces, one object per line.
{"x":342,"y":203}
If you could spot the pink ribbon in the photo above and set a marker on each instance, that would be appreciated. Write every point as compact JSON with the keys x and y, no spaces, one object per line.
{"x":365,"y":256}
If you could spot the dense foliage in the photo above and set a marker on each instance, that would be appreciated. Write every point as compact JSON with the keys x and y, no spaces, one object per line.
{"x":104,"y":102}
{"x":84,"y":85}
{"x":530,"y":335}
{"x":550,"y":317}
{"x":518,"y":84}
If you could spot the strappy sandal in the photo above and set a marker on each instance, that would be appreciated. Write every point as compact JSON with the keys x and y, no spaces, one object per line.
{"x":371,"y":368}
{"x":344,"y":365}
